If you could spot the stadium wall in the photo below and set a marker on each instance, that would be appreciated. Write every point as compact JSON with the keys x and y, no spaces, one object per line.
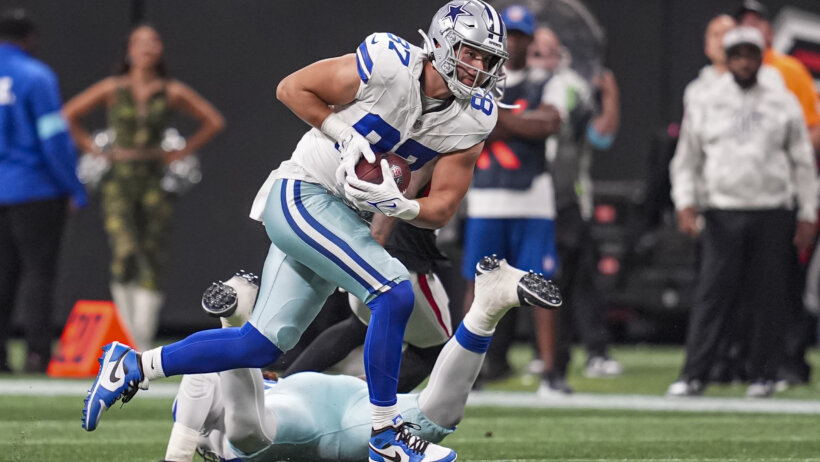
{"x":235,"y":52}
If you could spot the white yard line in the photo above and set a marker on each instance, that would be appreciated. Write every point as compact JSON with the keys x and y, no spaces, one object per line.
{"x":644,"y":403}
{"x":166,"y":390}
{"x":46,"y":387}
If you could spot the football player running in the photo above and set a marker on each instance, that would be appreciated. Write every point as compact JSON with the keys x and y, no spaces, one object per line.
{"x":389,"y":96}
{"x":311,"y":416}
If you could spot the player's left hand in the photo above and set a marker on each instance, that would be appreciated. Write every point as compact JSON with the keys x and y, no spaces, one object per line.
{"x":384,"y":198}
{"x":353,"y":147}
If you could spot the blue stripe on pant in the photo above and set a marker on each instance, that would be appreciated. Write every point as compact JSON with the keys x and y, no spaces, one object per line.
{"x":318,"y":243}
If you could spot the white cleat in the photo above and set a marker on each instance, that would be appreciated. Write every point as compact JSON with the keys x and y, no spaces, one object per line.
{"x":233,"y":299}
{"x":502,"y":285}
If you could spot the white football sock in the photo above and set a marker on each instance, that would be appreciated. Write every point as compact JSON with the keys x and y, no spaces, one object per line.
{"x":152,"y":364}
{"x":453,"y":376}
{"x":383,"y":415}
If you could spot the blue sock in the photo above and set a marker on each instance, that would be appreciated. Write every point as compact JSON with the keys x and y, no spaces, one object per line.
{"x":470,"y":341}
{"x":382,"y":346}
{"x":217,"y":350}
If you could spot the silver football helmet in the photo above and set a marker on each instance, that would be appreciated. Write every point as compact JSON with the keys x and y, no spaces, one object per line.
{"x":473,"y":23}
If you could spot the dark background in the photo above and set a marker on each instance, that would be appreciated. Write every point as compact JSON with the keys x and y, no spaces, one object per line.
{"x":234,"y":53}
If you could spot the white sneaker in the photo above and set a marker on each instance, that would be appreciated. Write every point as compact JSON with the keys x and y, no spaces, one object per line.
{"x":535,"y":367}
{"x":760,"y":389}
{"x":554,"y":387}
{"x":602,"y":366}
{"x":683,"y":388}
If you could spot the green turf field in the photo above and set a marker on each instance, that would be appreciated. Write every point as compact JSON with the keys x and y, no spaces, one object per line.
{"x":48,"y":429}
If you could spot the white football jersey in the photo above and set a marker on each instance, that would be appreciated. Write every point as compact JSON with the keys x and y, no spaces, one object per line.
{"x":387,"y":111}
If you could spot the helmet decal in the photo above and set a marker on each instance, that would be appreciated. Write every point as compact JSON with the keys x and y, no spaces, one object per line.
{"x":454,"y":11}
{"x":495,"y":26}
{"x":473,"y":24}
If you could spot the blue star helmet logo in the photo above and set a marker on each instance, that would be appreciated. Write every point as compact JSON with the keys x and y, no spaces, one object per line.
{"x":455,"y":11}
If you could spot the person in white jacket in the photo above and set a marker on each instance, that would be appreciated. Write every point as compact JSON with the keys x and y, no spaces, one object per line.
{"x":717,"y":67}
{"x":744,"y":143}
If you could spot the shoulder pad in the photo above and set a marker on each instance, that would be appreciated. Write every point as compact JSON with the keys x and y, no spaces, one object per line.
{"x":483,"y":110}
{"x":382,"y":56}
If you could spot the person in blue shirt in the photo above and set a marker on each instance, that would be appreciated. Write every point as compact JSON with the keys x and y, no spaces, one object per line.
{"x":38,"y":183}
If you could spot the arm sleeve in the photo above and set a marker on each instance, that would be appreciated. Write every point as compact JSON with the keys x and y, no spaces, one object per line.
{"x":597,"y":140}
{"x":801,"y":153}
{"x":52,"y":130}
{"x":686,"y":164}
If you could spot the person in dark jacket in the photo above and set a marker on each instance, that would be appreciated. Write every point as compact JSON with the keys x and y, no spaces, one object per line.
{"x":38,"y":182}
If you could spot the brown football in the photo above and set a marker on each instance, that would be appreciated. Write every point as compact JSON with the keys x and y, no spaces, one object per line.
{"x":372,"y":173}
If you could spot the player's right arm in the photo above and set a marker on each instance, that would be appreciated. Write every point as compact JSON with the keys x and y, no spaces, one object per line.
{"x":310,"y":91}
{"x":93,"y":97}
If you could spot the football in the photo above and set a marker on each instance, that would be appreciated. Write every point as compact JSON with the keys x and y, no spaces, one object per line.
{"x":372,"y":173}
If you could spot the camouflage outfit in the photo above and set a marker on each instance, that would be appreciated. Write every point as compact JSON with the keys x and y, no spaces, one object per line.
{"x":137,"y":211}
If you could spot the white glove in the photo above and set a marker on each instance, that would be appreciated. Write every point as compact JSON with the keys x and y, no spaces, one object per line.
{"x":352,"y":147}
{"x":383,"y":198}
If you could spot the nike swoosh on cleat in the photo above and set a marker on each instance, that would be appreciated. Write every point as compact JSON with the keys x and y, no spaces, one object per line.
{"x":113,"y":376}
{"x":395,"y":457}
